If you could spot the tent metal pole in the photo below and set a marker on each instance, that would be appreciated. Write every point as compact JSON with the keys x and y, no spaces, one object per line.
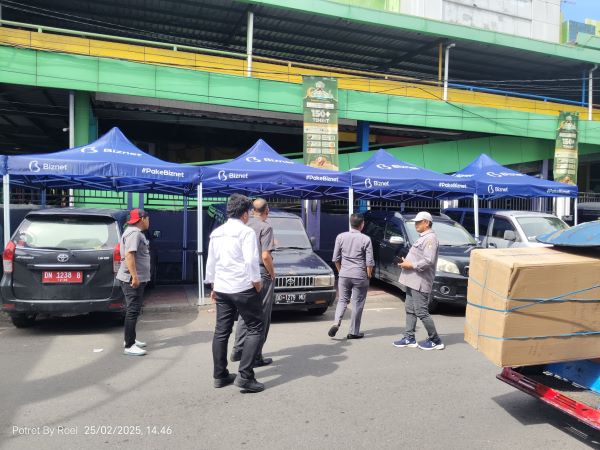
{"x":476,"y":215}
{"x":575,"y":213}
{"x":6,"y":204}
{"x":200,"y":245}
{"x":71,"y":136}
{"x":350,"y":205}
{"x":184,"y":239}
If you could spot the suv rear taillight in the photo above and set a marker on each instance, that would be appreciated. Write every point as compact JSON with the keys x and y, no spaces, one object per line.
{"x":8,"y":257}
{"x":116,"y":258}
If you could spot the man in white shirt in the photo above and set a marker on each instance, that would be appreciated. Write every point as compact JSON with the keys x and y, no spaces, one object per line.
{"x":233,"y":270}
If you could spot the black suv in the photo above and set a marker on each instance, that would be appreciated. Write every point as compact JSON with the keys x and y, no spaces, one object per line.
{"x":63,"y":261}
{"x":392,"y":235}
{"x":304,"y":280}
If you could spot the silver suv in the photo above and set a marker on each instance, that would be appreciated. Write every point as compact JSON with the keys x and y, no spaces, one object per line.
{"x":502,"y":229}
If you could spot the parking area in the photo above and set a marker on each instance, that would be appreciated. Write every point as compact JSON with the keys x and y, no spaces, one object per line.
{"x":70,"y":376}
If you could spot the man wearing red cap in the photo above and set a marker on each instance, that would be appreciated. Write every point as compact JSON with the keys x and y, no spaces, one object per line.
{"x":134,"y":274}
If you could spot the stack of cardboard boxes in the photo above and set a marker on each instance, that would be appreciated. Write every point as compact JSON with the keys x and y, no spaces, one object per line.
{"x":529,"y":306}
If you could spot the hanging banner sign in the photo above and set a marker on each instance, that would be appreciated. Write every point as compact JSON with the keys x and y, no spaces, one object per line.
{"x":565,"y":151}
{"x":320,"y":122}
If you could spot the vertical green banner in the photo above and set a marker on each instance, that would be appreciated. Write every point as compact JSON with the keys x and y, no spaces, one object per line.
{"x":320,"y":122}
{"x":565,"y":151}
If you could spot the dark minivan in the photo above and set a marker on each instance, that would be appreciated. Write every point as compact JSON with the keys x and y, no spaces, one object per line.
{"x":303,"y":279}
{"x":392,"y":235}
{"x":63,"y":261}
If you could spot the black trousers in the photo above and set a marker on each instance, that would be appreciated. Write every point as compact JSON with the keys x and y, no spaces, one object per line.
{"x":134,"y":299}
{"x":267,"y":296}
{"x":249,"y":306}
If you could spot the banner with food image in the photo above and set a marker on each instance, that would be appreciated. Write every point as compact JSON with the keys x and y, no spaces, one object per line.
{"x":320,"y":102}
{"x":566,"y":151}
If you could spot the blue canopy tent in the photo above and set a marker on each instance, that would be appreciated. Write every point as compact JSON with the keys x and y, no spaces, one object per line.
{"x":492,"y":181}
{"x":384,"y":176}
{"x":111,"y":162}
{"x":263,"y":171}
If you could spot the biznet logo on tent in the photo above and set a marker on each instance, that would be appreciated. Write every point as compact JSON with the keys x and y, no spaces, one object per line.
{"x":224,"y":176}
{"x":395,"y":166}
{"x":374,"y":183}
{"x":91,"y":149}
{"x":35,"y":166}
{"x":496,"y":189}
{"x":254,"y":159}
{"x":503,"y":174}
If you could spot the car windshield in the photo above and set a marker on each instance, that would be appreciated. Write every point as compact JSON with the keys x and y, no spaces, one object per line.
{"x":536,"y":226}
{"x":289,"y":233}
{"x":67,"y":233}
{"x":448,"y":233}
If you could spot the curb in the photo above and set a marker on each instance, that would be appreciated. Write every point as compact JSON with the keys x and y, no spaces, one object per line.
{"x":177,"y":308}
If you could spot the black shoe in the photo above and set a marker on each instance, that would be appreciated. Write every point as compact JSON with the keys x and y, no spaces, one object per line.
{"x":263,"y":362}
{"x":235,"y":356}
{"x":222,"y":382}
{"x":356,"y":336}
{"x":334,"y":329}
{"x":248,"y":385}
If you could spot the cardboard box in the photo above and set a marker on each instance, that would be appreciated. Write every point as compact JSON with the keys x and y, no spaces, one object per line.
{"x":529,"y":306}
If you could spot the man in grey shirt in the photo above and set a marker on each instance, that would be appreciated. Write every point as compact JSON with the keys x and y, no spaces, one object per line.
{"x":418,"y":272}
{"x":353,"y":258}
{"x":266,"y":244}
{"x":134,"y":274}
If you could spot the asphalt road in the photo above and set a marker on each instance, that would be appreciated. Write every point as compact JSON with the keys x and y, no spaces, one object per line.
{"x":68,"y":380}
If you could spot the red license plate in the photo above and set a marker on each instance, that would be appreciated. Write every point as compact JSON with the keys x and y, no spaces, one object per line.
{"x":62,"y":276}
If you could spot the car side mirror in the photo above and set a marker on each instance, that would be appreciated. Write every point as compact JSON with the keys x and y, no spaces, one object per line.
{"x":510,"y":235}
{"x":313,"y":242}
{"x":397,"y":240}
{"x":156,"y":234}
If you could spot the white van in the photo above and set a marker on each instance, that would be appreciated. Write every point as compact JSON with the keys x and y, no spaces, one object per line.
{"x":503,"y":229}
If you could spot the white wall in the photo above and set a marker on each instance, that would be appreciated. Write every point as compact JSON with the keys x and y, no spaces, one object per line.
{"x":535,"y":19}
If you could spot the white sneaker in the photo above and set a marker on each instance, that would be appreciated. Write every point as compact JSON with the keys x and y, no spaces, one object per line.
{"x":138,"y":343}
{"x":134,"y":350}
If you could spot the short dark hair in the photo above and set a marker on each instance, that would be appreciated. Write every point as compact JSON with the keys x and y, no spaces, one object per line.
{"x":237,"y":205}
{"x":356,"y":220}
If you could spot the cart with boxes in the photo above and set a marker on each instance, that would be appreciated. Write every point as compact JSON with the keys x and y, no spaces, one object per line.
{"x":535,"y":312}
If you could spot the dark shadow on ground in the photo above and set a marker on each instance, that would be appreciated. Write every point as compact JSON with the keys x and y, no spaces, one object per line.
{"x":531,"y":411}
{"x":301,"y":316}
{"x":98,"y":322}
{"x":99,"y":371}
{"x":293,"y":363}
{"x":185,"y":340}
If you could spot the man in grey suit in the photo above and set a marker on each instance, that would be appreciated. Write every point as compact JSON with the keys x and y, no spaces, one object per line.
{"x":266,"y":244}
{"x":353,"y":258}
{"x":418,"y":272}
